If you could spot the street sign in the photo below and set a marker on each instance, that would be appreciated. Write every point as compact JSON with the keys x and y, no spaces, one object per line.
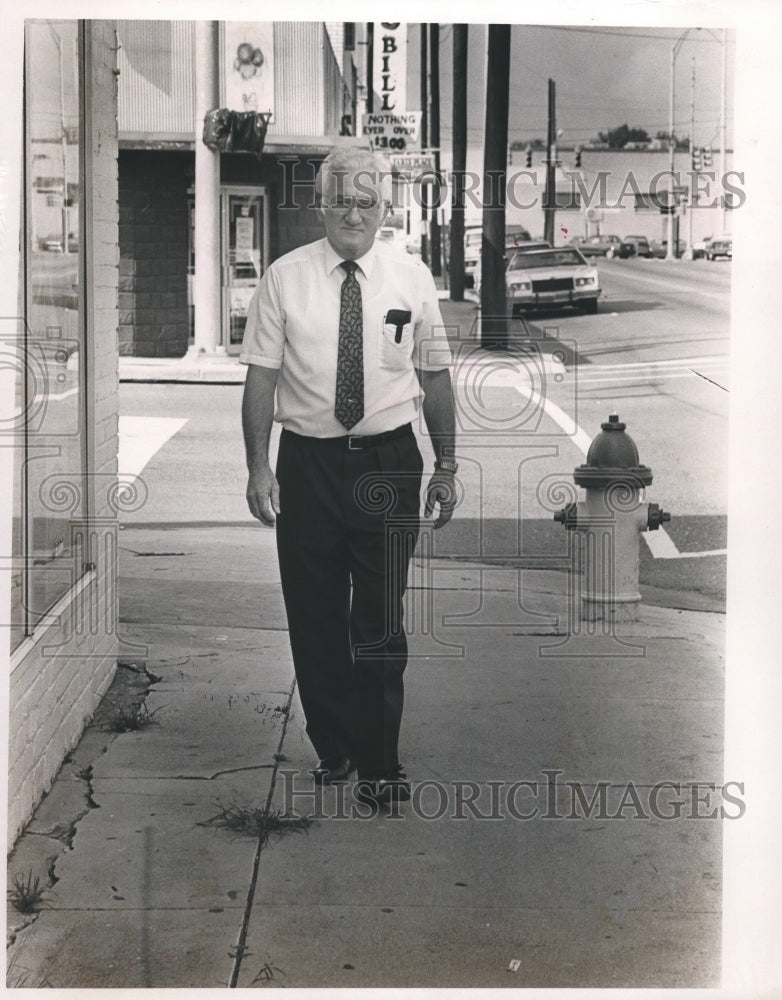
{"x":413,"y":164}
{"x":393,"y":132}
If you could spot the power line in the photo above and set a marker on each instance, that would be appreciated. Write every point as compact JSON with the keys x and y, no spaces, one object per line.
{"x":622,"y":33}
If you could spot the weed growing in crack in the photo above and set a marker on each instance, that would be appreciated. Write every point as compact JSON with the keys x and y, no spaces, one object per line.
{"x":27,"y":894}
{"x":127,"y":718}
{"x":260,"y":823}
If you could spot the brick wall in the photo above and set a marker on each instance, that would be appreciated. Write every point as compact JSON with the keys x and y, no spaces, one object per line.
{"x":291,"y":185}
{"x":296,"y":226}
{"x":59,"y":675}
{"x":153,"y":241}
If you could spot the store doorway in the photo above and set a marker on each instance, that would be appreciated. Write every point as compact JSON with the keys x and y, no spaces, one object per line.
{"x":244,"y":244}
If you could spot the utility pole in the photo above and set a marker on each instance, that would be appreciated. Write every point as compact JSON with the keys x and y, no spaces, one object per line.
{"x":723,"y":123}
{"x":494,"y":326}
{"x":434,"y":86}
{"x":424,"y":139}
{"x":460,"y":36}
{"x":690,"y":213}
{"x":370,"y":67}
{"x":550,"y":197}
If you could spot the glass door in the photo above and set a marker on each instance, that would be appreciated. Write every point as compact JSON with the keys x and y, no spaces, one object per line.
{"x":245,"y":256}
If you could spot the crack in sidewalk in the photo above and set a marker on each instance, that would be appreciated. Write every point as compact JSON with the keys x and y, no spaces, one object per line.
{"x":130,"y":686}
{"x":241,"y":945}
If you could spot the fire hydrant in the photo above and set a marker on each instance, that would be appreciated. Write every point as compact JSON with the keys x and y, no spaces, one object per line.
{"x":608,"y":524}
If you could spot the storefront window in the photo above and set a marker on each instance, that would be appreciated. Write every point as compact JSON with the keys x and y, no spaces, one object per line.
{"x":50,"y":489}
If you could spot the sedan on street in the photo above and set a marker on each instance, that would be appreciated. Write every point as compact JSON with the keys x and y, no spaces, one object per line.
{"x":545,"y":279}
{"x":719,"y":246}
{"x":634,"y":246}
{"x":597,"y":246}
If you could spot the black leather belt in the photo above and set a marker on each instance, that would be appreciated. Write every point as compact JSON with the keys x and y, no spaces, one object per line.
{"x":359,"y":442}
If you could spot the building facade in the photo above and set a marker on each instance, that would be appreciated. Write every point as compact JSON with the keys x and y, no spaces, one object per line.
{"x":624,"y":192}
{"x":239,"y":209}
{"x":60,"y":360}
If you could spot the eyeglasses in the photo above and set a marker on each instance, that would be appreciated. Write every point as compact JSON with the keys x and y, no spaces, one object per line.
{"x":367,"y":204}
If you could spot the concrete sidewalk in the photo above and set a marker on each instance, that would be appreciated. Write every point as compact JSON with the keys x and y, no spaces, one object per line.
{"x":506,"y":870}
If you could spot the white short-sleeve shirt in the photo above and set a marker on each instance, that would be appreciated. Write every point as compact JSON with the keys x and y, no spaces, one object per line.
{"x":293,"y":325}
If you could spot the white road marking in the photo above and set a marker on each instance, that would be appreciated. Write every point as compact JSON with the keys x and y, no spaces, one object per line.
{"x":667,"y":363}
{"x":578,"y":435}
{"x":659,"y":377}
{"x":139,"y":439}
{"x":661,"y":545}
{"x":652,"y":370}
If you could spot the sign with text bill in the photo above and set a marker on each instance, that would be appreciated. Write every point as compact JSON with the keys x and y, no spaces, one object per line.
{"x":390,"y":65}
{"x":393,"y":133}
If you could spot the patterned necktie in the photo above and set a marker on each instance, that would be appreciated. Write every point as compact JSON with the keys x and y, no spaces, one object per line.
{"x":349,"y":401}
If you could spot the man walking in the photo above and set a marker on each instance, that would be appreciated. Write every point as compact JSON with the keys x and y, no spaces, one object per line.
{"x":349,"y":336}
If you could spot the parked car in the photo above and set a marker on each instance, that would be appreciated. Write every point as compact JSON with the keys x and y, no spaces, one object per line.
{"x":516,"y":236}
{"x":634,"y":246}
{"x":721,"y":246}
{"x":518,"y":246}
{"x":473,"y":239}
{"x":472,"y":255}
{"x":659,"y":248}
{"x":524,"y":246}
{"x":596,"y":246}
{"x":542,"y":279}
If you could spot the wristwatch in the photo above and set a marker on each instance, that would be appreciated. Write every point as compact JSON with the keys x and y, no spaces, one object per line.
{"x":448,"y":464}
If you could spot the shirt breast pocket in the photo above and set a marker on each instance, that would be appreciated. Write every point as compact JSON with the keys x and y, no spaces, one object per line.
{"x":396,"y":342}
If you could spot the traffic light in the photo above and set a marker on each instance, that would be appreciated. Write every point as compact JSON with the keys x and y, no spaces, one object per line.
{"x":578,"y":158}
{"x":528,"y":160}
{"x":707,"y":158}
{"x":697,"y":158}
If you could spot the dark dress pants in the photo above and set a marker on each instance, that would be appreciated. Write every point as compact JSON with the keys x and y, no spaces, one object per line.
{"x":347,"y":529}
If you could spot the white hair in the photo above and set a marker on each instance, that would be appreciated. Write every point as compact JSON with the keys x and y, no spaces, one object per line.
{"x":370,"y":169}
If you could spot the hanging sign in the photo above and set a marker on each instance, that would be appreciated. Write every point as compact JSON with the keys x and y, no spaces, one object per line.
{"x":393,"y":133}
{"x":390,"y":65}
{"x":413,"y":164}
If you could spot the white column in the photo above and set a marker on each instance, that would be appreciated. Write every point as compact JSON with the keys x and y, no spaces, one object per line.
{"x":207,"y":278}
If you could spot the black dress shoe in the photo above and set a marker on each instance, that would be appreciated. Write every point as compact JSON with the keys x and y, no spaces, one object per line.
{"x":385,"y":789}
{"x":332,"y":769}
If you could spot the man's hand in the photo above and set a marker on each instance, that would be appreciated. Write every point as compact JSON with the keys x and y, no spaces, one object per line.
{"x":263,"y":495}
{"x":441,"y":491}
{"x":263,"y":492}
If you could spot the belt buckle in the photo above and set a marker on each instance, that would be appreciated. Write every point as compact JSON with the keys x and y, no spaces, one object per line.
{"x":351,"y":439}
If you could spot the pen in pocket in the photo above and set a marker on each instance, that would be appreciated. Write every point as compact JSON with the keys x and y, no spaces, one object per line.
{"x":398,"y":318}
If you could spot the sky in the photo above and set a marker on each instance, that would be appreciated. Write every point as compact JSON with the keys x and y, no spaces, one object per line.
{"x":605,"y":76}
